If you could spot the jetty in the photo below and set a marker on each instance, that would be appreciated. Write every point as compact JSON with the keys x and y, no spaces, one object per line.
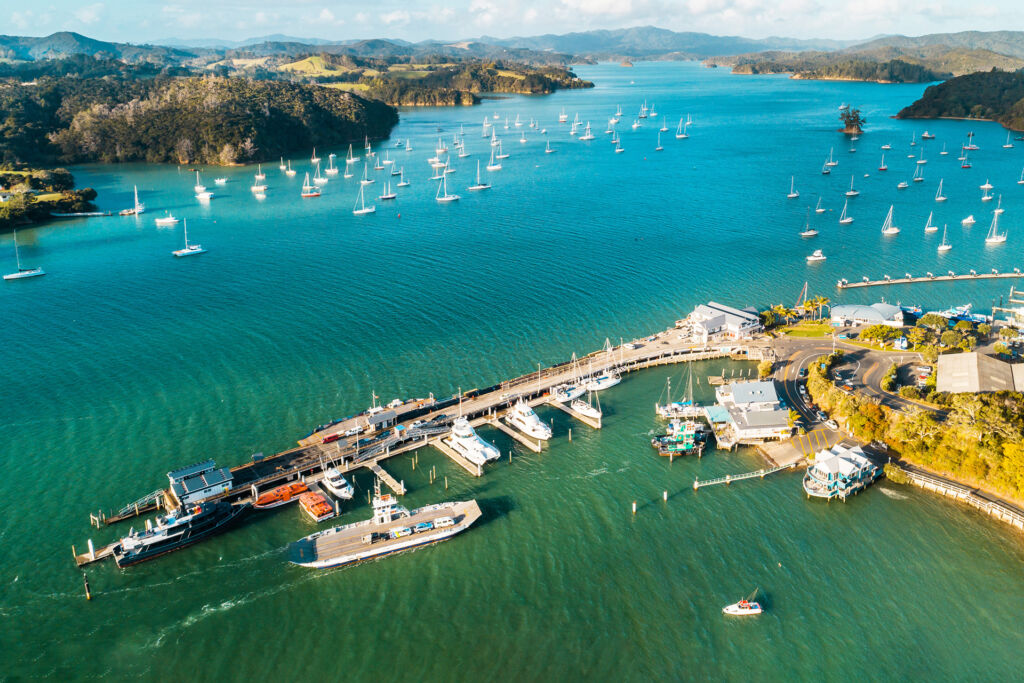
{"x":908,"y":279}
{"x":730,"y":478}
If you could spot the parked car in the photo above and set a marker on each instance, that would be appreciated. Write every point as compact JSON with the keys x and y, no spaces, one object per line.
{"x":822,"y":416}
{"x":352,"y":431}
{"x":831,"y":424}
{"x":802,"y":373}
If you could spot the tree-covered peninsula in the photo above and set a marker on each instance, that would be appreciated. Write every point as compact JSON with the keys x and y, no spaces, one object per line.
{"x":994,"y":95}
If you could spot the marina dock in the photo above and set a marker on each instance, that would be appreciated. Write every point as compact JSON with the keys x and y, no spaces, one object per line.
{"x":472,"y":468}
{"x":585,"y":419}
{"x":385,"y":476}
{"x":535,"y":445}
{"x":948,"y":277}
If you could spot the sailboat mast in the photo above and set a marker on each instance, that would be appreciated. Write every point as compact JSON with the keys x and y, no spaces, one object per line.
{"x":17,"y":256}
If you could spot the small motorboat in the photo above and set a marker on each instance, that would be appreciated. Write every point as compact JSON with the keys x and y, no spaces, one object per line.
{"x":743,"y":608}
{"x":316,"y":506}
{"x":280,"y":495}
{"x":817,"y":256}
{"x":335,"y":482}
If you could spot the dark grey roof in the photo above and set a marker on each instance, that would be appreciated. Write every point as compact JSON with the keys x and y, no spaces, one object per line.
{"x":202,"y":481}
{"x":192,"y":470}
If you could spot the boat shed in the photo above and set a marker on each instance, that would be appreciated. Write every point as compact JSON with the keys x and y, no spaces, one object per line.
{"x":381,"y":420}
{"x":199,"y":481}
{"x":873,"y":314}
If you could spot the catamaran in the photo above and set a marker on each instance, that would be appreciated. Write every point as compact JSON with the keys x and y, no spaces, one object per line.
{"x":844,"y":218}
{"x":939,"y":197}
{"x":309,"y":190}
{"x":852,"y":192}
{"x":189,"y":249}
{"x":793,"y":194}
{"x":887,"y":227}
{"x":994,"y":236}
{"x":479,"y":185}
{"x":928,"y":225}
{"x":360,"y":208}
{"x":22,"y":273}
{"x":944,"y":245}
{"x":442,"y":191}
{"x":331,"y":168}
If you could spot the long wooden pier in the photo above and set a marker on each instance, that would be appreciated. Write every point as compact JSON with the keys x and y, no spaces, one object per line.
{"x":585,"y":419}
{"x":535,"y":445}
{"x":948,"y":277}
{"x":730,"y":478}
{"x":385,"y":476}
{"x":472,"y":468}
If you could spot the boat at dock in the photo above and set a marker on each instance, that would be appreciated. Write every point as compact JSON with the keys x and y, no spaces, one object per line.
{"x":335,"y":482}
{"x":392,"y":529}
{"x":316,"y":506}
{"x":176,"y":530}
{"x":523,"y":418}
{"x":466,"y":442}
{"x":280,"y":495}
{"x":682,"y":437}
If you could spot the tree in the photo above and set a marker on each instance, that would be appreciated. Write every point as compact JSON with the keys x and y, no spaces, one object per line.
{"x":1007,"y":332}
{"x":918,"y":336}
{"x":793,"y":417}
{"x":968,"y":342}
{"x":852,"y":120}
{"x":984,"y":329}
{"x":929,"y":352}
{"x":880,"y":333}
{"x":764,"y":368}
{"x":949,"y":338}
{"x":963,"y":326}
{"x":933,"y":320}
{"x":1001,"y":348}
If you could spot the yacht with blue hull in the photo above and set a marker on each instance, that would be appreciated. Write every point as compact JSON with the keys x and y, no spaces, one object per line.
{"x":176,"y":530}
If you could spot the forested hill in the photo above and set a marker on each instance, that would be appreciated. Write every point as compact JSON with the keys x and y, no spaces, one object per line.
{"x":996,"y":95}
{"x":178,"y":120}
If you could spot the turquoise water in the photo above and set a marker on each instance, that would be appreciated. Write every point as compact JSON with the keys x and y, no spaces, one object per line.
{"x":124,"y":362}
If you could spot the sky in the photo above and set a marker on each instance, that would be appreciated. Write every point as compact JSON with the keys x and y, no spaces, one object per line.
{"x":139,"y":21}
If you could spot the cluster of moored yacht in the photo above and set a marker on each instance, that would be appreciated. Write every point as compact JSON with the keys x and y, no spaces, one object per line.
{"x":994,"y":236}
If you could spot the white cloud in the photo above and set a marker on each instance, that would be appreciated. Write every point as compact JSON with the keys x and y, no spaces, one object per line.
{"x":326,"y":15}
{"x":21,"y":19}
{"x":90,"y":14}
{"x":398,"y":17}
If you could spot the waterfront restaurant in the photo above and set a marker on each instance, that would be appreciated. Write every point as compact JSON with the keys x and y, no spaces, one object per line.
{"x":839,"y":472}
{"x":753,"y":411}
{"x":713,"y":321}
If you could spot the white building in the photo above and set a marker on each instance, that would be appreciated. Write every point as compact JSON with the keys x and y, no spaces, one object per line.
{"x":717,"y":321}
{"x":861,"y":314}
{"x":752,"y":411}
{"x":839,"y":472}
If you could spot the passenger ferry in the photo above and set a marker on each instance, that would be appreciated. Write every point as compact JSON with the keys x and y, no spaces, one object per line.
{"x":392,"y":529}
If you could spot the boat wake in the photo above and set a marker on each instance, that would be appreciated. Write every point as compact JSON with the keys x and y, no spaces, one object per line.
{"x":893,"y":494}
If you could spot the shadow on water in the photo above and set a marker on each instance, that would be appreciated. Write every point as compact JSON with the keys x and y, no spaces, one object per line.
{"x":494,"y":509}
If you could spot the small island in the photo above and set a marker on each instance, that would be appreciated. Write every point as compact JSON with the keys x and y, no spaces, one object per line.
{"x":29,"y":196}
{"x":853,"y":121}
{"x":990,"y":96}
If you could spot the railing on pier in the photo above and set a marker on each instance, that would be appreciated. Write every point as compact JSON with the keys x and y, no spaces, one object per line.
{"x":730,"y":478}
{"x":909,"y":280}
{"x":973,"y":497}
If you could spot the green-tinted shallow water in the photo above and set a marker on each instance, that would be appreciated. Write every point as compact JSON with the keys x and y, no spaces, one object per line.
{"x":123,"y":363}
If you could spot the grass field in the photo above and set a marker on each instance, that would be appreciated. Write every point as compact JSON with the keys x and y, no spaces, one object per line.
{"x":349,"y":87}
{"x":313,"y":66}
{"x":808,"y":329}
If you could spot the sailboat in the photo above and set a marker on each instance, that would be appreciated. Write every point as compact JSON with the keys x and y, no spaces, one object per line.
{"x":664,"y":128}
{"x":939,"y":197}
{"x":408,"y":145}
{"x":587,"y":408}
{"x":22,"y":273}
{"x":825,"y":170}
{"x":291,"y":171}
{"x":1021,"y":181}
{"x":331,"y":168}
{"x":563,"y":117}
{"x":921,"y":161}
{"x":199,"y":187}
{"x":881,"y":165}
{"x":831,"y":161}
{"x":442,"y":191}
{"x":362,"y":209}
{"x":808,"y":231}
{"x":493,"y":165}
{"x":1008,"y":145}
{"x":190,"y":249}
{"x":852,"y":192}
{"x":387,"y":159}
{"x":388,"y":194}
{"x":943,"y":152}
{"x":317,"y":178}
{"x":402,"y":182}
{"x":308,"y":190}
{"x":793,"y":194}
{"x":659,"y":147}
{"x":282,"y":166}
{"x":587,"y":135}
{"x":501,"y":154}
{"x":314,"y":159}
{"x":928,"y":226}
{"x":845,"y":219}
{"x":138,"y":207}
{"x":351,"y":159}
{"x":348,"y":171}
{"x":986,"y":197}
{"x":918,"y":174}
{"x":999,"y":205}
{"x":819,"y":208}
{"x":681,"y":131}
{"x":994,"y":236}
{"x":479,"y":185}
{"x":366,"y":179}
{"x":260,"y":175}
{"x":903,"y":184}
{"x":944,"y":245}
{"x":618,"y":147}
{"x":887,"y":227}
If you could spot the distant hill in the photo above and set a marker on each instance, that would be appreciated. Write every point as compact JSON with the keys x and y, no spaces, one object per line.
{"x":67,"y":43}
{"x":1010,"y":43}
{"x":995,"y":95}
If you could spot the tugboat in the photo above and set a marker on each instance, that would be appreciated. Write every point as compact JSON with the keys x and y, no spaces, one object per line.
{"x":176,"y":530}
{"x":392,"y":529}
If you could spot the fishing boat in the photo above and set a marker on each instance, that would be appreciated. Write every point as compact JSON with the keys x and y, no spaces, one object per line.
{"x":523,"y":418}
{"x":852,"y":192}
{"x":335,"y":482}
{"x":280,"y":495}
{"x":391,"y":530}
{"x":927,"y":136}
{"x":819,"y":208}
{"x":366,"y":179}
{"x":309,"y":190}
{"x":793,"y":194}
{"x":138,"y":207}
{"x":331,"y":169}
{"x":683,"y":437}
{"x":994,"y":236}
{"x":176,"y":530}
{"x":944,"y":245}
{"x":969,"y":221}
{"x":881,"y":164}
{"x":464,"y":440}
{"x":442,"y":192}
{"x":929,"y":226}
{"x":844,"y":217}
{"x":22,"y":273}
{"x":290,"y":171}
{"x":360,"y":208}
{"x":188,"y":249}
{"x":887,"y":227}
{"x":479,"y":185}
{"x":388,"y":193}
{"x":402,"y":182}
{"x":743,"y":608}
{"x":817,"y":256}
{"x":169,"y":219}
{"x":316,"y":506}
{"x":939,"y":197}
